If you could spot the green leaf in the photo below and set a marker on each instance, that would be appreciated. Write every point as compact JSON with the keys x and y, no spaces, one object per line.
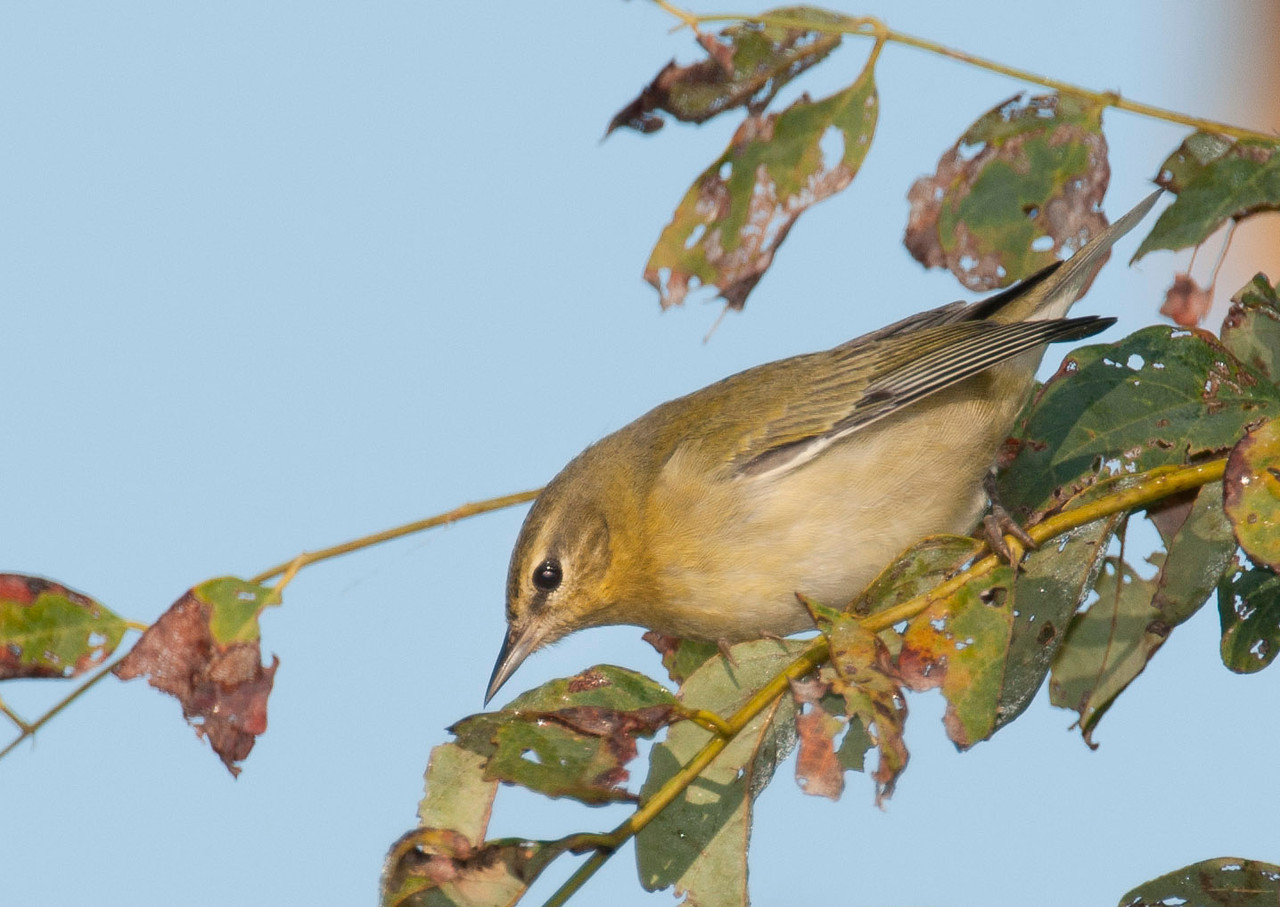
{"x":960,"y":644}
{"x":1251,"y":493}
{"x":457,"y":794}
{"x":1251,"y":330}
{"x":1249,"y":609}
{"x":681,"y":657}
{"x":1224,"y":882}
{"x":1215,"y":179}
{"x":916,"y":571}
{"x":571,"y":737}
{"x":699,"y":842}
{"x":1159,"y":397}
{"x":47,"y":630}
{"x":732,"y":220}
{"x":1199,"y":554}
{"x":1051,"y":585}
{"x":1019,"y":190}
{"x":1107,"y":646}
{"x":746,"y":65}
{"x":234,"y":607}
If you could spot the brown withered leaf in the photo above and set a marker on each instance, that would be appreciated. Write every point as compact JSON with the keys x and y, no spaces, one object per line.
{"x":861,"y":670}
{"x":222,"y":686}
{"x":745,"y":66}
{"x":819,"y":770}
{"x":1020,"y":189}
{"x":731,"y":222}
{"x":444,"y":863}
{"x":1186,"y":302}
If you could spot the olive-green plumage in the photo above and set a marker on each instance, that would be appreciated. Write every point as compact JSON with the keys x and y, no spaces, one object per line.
{"x":704,"y":517}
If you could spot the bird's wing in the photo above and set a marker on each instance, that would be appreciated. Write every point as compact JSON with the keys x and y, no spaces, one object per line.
{"x":861,"y":385}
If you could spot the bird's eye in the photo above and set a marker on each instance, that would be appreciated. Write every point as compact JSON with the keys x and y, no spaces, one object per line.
{"x":547,"y":575}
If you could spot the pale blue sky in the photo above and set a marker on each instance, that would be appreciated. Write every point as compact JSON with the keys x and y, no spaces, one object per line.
{"x":274,"y":275}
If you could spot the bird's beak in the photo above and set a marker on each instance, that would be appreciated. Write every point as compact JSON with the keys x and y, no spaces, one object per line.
{"x":515,"y":649}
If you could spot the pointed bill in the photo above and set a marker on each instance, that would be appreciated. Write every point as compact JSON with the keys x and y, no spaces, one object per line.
{"x":515,"y":649}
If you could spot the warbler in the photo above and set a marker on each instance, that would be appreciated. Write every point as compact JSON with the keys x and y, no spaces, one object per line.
{"x":704,"y":517}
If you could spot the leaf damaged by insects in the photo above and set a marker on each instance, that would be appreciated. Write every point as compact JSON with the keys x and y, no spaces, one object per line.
{"x":1225,"y":881}
{"x":1216,"y":179}
{"x":1019,"y":190}
{"x":730,"y":223}
{"x":48,"y":630}
{"x":1251,"y":330}
{"x":204,"y":651}
{"x":571,"y":737}
{"x":861,"y":671}
{"x":1251,"y":493}
{"x":745,"y":66}
{"x":961,"y":644}
{"x":1159,"y":397}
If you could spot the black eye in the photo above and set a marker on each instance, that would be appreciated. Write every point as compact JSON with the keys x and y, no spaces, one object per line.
{"x":547,"y":575}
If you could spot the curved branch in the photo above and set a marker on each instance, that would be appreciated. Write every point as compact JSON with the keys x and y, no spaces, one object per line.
{"x":870,"y":27}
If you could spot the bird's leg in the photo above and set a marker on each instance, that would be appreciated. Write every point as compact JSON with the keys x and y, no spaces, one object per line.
{"x":723,"y":645}
{"x":998,"y":523}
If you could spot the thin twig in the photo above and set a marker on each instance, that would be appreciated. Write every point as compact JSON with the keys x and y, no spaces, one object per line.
{"x":450,"y":516}
{"x":867,"y":26}
{"x":30,"y":729}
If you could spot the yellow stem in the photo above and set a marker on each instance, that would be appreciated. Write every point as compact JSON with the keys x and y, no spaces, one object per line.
{"x":867,"y":26}
{"x":291,"y":567}
{"x":1159,"y":484}
{"x":30,"y":729}
{"x":13,"y":716}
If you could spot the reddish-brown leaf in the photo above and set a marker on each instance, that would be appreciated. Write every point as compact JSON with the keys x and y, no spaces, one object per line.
{"x":818,"y":768}
{"x":1186,"y":302}
{"x":223,"y":687}
{"x":444,"y":861}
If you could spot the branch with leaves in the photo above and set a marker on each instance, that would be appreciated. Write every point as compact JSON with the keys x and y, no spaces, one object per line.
{"x":1173,"y":426}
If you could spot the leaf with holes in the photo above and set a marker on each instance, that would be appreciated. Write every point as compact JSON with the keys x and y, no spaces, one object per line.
{"x":1249,"y":610}
{"x":47,"y":630}
{"x":204,"y":651}
{"x":1251,"y":330}
{"x":1051,"y":585}
{"x":1251,"y":493}
{"x":961,"y":644}
{"x":1159,"y":397}
{"x":699,"y":843}
{"x":745,"y":66}
{"x":571,"y":737}
{"x":731,"y":222}
{"x":1216,"y":179}
{"x":1224,"y":882}
{"x":1020,"y":190}
{"x":820,"y":719}
{"x":1107,"y":646}
{"x":862,"y":673}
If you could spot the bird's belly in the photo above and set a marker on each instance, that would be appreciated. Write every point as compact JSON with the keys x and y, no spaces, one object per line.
{"x":825,"y":530}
